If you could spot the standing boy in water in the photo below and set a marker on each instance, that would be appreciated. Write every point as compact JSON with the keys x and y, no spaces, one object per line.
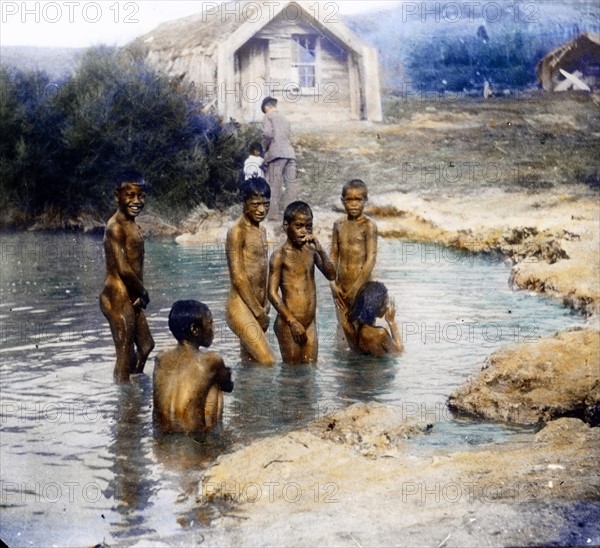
{"x":292,"y":270}
{"x":247,"y":309}
{"x":354,"y":245}
{"x":189,"y":383}
{"x":124,"y":296}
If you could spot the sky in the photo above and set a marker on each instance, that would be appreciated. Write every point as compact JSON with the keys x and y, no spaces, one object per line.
{"x":82,"y":23}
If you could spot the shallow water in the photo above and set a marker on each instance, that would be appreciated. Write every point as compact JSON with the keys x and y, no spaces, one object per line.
{"x":79,"y":461}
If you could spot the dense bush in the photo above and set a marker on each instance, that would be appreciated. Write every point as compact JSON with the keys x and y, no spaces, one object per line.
{"x":62,"y":144}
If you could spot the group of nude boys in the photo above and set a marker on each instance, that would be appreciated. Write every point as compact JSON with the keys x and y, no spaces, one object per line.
{"x":189,"y":382}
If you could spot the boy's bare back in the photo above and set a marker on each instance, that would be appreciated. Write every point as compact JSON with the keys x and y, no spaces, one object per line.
{"x":184,"y":383}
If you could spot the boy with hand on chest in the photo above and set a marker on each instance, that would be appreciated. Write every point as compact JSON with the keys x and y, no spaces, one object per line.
{"x":292,"y":272}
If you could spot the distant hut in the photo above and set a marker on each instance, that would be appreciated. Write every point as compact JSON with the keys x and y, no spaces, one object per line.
{"x":237,"y":53}
{"x":579,"y":58}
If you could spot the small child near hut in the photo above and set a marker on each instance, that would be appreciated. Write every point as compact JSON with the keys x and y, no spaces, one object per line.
{"x":254,"y":165}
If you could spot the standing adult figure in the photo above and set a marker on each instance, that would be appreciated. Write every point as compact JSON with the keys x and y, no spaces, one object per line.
{"x":279,"y":156}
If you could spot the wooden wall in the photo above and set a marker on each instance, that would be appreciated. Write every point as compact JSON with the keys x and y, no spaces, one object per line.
{"x":335,"y":96}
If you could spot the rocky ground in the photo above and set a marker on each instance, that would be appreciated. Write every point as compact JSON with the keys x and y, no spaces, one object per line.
{"x":318,"y":488}
{"x":537,"y":382}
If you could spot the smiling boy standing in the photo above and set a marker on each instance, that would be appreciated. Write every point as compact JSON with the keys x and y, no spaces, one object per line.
{"x":124,"y":296}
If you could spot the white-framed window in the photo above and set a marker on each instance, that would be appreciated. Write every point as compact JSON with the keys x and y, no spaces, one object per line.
{"x":304,"y":59}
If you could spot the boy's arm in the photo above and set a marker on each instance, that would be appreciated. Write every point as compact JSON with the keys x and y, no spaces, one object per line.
{"x":115,"y":240}
{"x":390,"y":318}
{"x":322,"y":261}
{"x":239,"y":280}
{"x":335,"y":245}
{"x":221,"y":373}
{"x":275,"y":266}
{"x":371,"y":254}
{"x":348,"y":328}
{"x":336,"y":291}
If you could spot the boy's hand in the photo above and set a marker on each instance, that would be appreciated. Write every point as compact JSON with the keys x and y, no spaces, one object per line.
{"x":312,"y":241}
{"x":350,"y":296}
{"x":339,"y":296}
{"x":298,"y":332}
{"x":390,"y":312}
{"x":263,"y":319}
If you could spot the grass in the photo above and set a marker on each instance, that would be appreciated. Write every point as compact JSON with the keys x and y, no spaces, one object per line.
{"x":438,"y":148}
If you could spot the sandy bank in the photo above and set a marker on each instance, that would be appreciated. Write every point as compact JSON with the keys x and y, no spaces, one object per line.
{"x":358,"y":478}
{"x":552,"y":239}
{"x":537,"y":381}
{"x":306,"y":489}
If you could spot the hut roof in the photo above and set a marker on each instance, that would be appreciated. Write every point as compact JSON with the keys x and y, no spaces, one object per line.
{"x":585,"y":45}
{"x":205,"y":30}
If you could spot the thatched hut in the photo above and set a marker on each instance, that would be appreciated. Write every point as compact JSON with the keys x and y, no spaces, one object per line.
{"x":237,"y":53}
{"x":579,"y":57}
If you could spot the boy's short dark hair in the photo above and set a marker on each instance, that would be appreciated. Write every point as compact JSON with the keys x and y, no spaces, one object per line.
{"x":268,"y":101}
{"x":129,"y":176}
{"x":294,"y":208}
{"x":185,"y":313}
{"x":255,"y":186}
{"x":355,"y":183}
{"x":256,"y":147}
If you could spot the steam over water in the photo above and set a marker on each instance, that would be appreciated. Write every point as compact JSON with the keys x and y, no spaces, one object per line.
{"x":79,"y":460}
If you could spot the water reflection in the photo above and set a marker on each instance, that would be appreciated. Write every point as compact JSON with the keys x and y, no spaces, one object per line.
{"x":268,"y":400}
{"x":182,"y":459}
{"x":364,"y":378}
{"x":132,"y":482}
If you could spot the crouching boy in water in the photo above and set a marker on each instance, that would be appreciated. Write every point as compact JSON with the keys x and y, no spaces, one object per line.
{"x":292,"y":270}
{"x":362,"y":334}
{"x":247,"y":308}
{"x":124,"y":296}
{"x":189,"y":383}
